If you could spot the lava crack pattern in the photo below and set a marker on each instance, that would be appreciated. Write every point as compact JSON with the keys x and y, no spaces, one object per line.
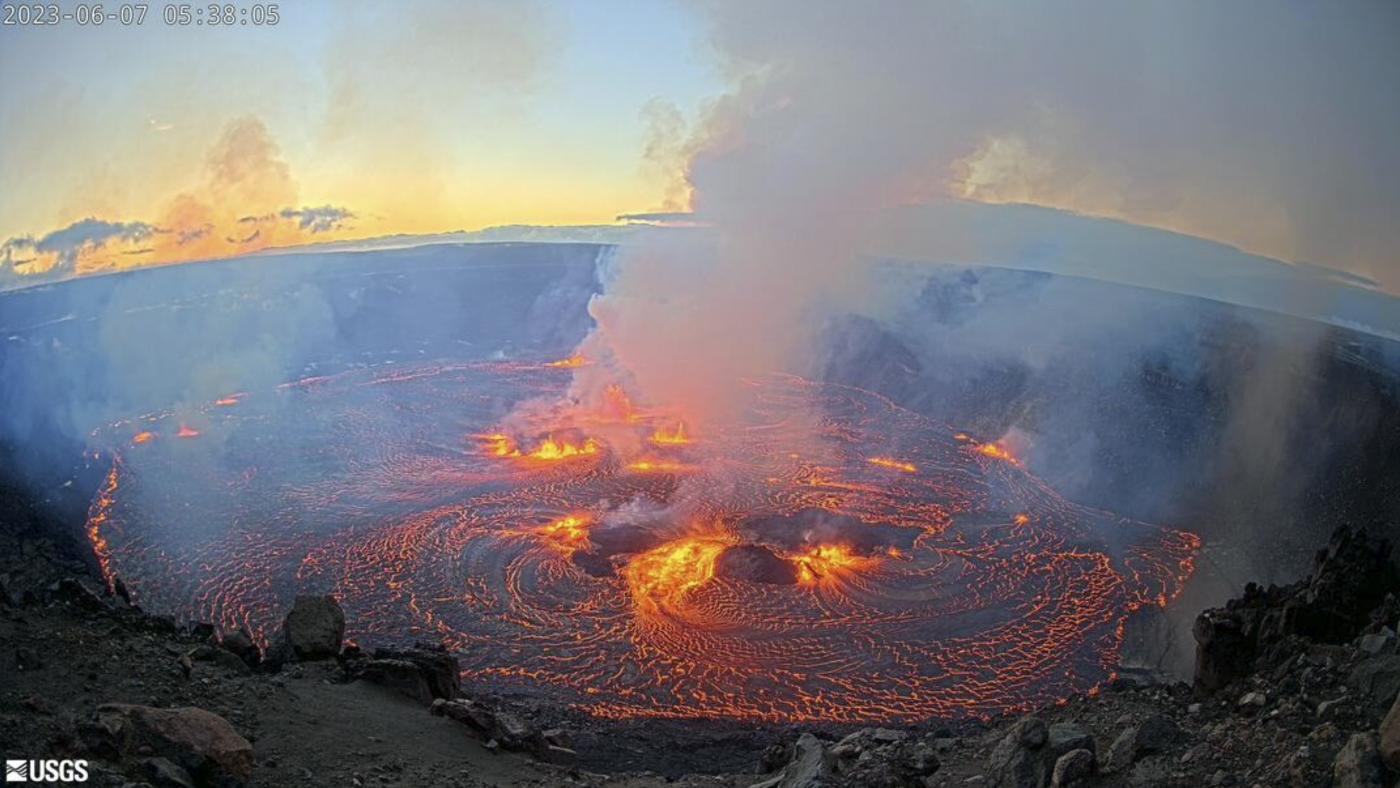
{"x":835,"y":558}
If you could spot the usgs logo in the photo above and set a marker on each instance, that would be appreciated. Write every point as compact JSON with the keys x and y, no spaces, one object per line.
{"x":46,"y":771}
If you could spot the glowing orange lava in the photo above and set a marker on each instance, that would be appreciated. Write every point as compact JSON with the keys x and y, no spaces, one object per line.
{"x":499,"y":445}
{"x":569,"y":533}
{"x":186,"y":431}
{"x":676,"y":436}
{"x":823,"y":560}
{"x":226,"y":402}
{"x":143,"y":437}
{"x":657,"y":466}
{"x":553,"y":449}
{"x":886,"y":462}
{"x":997,"y":451}
{"x":966,"y":588}
{"x":665,"y":575}
{"x":99,"y":515}
{"x":572,"y":362}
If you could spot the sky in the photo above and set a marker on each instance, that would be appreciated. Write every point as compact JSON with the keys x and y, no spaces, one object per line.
{"x":413,"y":117}
{"x":1269,"y":126}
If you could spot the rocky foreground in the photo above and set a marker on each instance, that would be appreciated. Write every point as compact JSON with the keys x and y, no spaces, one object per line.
{"x":1294,"y":686}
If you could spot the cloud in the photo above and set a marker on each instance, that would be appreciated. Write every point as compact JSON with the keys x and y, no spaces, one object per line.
{"x":318,"y":220}
{"x":21,"y":244}
{"x":246,"y":201}
{"x":58,"y":251}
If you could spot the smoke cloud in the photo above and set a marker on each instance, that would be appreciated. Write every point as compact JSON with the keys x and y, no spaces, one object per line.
{"x":1249,"y":123}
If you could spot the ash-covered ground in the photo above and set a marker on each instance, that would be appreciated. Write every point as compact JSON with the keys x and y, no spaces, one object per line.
{"x":1255,"y":432}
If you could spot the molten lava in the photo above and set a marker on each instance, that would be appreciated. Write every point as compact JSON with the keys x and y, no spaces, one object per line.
{"x":887,"y":462}
{"x":570,"y":533}
{"x":572,"y":362}
{"x":187,"y":432}
{"x":997,"y":451}
{"x":676,"y":436}
{"x":965,"y":588}
{"x":143,"y":437}
{"x":651,"y":465}
{"x":499,"y":445}
{"x":552,"y":449}
{"x":824,"y":560}
{"x":663,"y":576}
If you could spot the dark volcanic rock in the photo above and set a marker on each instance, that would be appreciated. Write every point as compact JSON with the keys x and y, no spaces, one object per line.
{"x":1153,"y":735}
{"x":240,"y":644}
{"x":165,"y":774}
{"x":200,"y":742}
{"x":883,"y":758}
{"x":399,"y":675}
{"x":611,"y":539}
{"x":1358,"y":765}
{"x":75,"y":593}
{"x":217,"y":656}
{"x":1020,"y":759}
{"x":439,"y":668}
{"x":1378,"y":679}
{"x":314,"y":627}
{"x":818,"y":526}
{"x":809,"y":767}
{"x":506,"y":728}
{"x":1224,"y":652}
{"x":1065,"y":737}
{"x":1352,"y":577}
{"x":1073,"y":768}
{"x":1390,"y":737}
{"x":755,"y":564}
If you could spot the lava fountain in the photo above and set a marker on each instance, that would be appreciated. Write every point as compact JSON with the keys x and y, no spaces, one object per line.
{"x":903,"y":572}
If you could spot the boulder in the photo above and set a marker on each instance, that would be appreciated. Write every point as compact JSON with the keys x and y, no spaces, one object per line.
{"x":512,"y":732}
{"x":200,"y":742}
{"x":1390,"y":737}
{"x":240,"y":644}
{"x":1020,"y":759}
{"x":1378,"y":679}
{"x":1252,"y":700}
{"x":1377,"y":643}
{"x":1358,"y":765}
{"x":809,"y":767}
{"x":468,"y":712}
{"x":866,"y":739}
{"x":314,"y":627}
{"x":883,"y":758}
{"x":74,"y":592}
{"x":1073,"y":768}
{"x":399,"y":675}
{"x":217,"y":656}
{"x":440,"y":669}
{"x":1224,"y":651}
{"x":506,"y":728}
{"x":1153,"y":735}
{"x":1065,"y":737}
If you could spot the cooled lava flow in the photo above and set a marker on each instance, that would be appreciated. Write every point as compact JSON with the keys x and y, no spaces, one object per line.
{"x":860,"y":563}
